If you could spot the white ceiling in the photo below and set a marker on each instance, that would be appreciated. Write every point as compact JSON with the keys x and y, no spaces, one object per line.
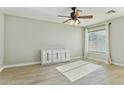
{"x":50,"y":13}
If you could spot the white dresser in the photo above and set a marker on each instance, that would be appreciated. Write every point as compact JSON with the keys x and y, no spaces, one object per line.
{"x":55,"y":55}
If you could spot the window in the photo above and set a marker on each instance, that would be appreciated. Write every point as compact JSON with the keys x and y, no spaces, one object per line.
{"x":96,"y":41}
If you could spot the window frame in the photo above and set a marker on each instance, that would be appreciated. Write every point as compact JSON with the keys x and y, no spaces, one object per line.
{"x":99,"y":52}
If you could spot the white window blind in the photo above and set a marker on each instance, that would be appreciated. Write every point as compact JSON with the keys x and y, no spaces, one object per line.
{"x":96,"y":39}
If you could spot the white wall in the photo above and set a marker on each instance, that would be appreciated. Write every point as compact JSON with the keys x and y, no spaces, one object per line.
{"x":25,"y":37}
{"x":1,"y":39}
{"x":117,"y":40}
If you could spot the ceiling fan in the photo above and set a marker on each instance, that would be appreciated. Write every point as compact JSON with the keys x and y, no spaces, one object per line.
{"x":75,"y":16}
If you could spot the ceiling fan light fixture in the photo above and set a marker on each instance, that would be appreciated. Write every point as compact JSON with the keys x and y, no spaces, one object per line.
{"x":76,"y":22}
{"x":71,"y":22}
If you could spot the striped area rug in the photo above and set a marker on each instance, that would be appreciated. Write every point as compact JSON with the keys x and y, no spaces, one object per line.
{"x":77,"y":70}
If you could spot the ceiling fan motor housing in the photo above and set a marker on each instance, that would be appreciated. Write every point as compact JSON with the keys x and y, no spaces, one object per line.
{"x":73,"y":15}
{"x":73,"y":8}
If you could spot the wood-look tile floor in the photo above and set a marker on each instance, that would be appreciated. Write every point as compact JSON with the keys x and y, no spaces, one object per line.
{"x":48,"y":75}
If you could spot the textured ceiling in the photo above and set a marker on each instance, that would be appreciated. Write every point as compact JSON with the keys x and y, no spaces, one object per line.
{"x":50,"y":13}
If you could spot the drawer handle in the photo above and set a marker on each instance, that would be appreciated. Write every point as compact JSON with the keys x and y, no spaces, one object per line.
{"x":47,"y":56}
{"x":56,"y":55}
{"x":65,"y":54}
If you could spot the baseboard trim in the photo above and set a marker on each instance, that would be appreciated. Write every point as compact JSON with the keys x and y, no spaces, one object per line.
{"x":118,"y":64}
{"x":74,"y":58}
{"x":19,"y":65}
{"x":30,"y":63}
{"x":1,"y":69}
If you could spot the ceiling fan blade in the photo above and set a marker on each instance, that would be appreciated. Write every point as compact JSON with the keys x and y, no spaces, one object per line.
{"x":87,"y":17}
{"x":66,"y":20}
{"x":64,"y":16}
